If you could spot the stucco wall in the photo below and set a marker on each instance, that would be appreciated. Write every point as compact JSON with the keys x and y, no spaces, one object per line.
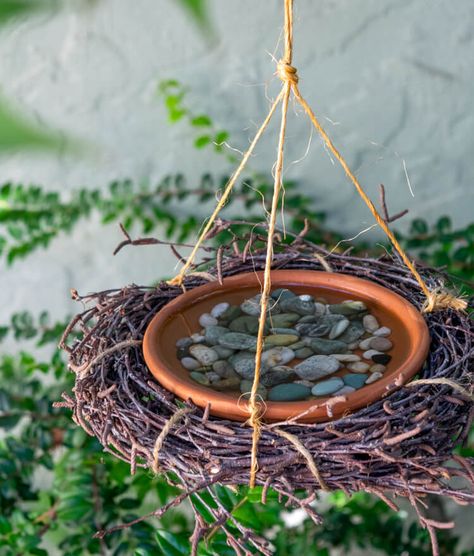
{"x":393,"y":76}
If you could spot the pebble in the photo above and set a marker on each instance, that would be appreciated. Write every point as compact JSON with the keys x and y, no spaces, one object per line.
{"x":347,"y":308}
{"x":306,"y":297}
{"x":244,"y":364}
{"x":326,"y":387}
{"x":279,"y":355}
{"x":251,"y":306}
{"x":384,"y":331}
{"x":303,"y":353}
{"x":356,"y":381}
{"x":353,"y":332}
{"x":236,"y":340}
{"x":381,"y":358}
{"x":358,"y":367}
{"x":290,"y":392}
{"x":207,"y":320}
{"x":281,"y":339}
{"x":246,"y":325}
{"x":327,"y":347}
{"x":277,"y":375}
{"x":307,"y":383}
{"x":213,"y":333}
{"x":199,"y":377}
{"x":213,"y":377}
{"x":298,"y":345}
{"x":284,"y":331}
{"x":381,"y":344}
{"x":365,"y":344}
{"x":370,"y":323}
{"x":184,"y":343}
{"x":338,"y":329}
{"x":231,"y":313}
{"x":190,"y":363}
{"x":282,"y":293}
{"x":317,"y":366}
{"x":373,"y":377}
{"x":297,"y":305}
{"x":205,"y":355}
{"x":219,"y":309}
{"x":320,"y":309}
{"x":227,"y":383}
{"x":284,"y":320}
{"x":313,"y":330}
{"x":344,"y":391}
{"x":369,"y":354}
{"x":223,"y":352}
{"x":246,"y":388}
{"x":223,"y":368}
{"x":197,"y":338}
{"x":377,"y":368}
{"x":346,"y":357}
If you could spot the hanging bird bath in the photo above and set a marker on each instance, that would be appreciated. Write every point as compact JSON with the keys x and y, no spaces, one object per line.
{"x":180,"y":318}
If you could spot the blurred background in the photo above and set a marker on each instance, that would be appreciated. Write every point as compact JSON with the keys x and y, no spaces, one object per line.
{"x":166,"y":92}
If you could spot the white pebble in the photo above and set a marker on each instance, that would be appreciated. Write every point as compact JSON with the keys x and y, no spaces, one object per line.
{"x":358,"y":367}
{"x":219,"y":309}
{"x":306,"y":297}
{"x":370,"y":353}
{"x":353,"y":345}
{"x":365,"y":344}
{"x":384,"y":331}
{"x":197,"y":338}
{"x":213,"y":377}
{"x":207,"y":320}
{"x":344,"y":391}
{"x":378,"y":368}
{"x":370,"y":323}
{"x":373,"y":377}
{"x":320,"y":309}
{"x":190,"y":363}
{"x":346,"y":357}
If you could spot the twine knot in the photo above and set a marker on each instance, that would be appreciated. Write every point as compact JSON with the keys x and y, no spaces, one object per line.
{"x":287,"y":73}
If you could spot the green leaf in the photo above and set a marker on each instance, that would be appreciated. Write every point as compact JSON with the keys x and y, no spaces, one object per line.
{"x":202,"y":141}
{"x":198,"y":10}
{"x":173,"y":544}
{"x":201,"y":121}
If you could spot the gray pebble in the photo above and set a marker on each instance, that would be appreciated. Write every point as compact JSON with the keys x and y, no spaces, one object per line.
{"x":365,"y":344}
{"x":207,"y":320}
{"x":190,"y":363}
{"x":251,"y":306}
{"x":338,"y":329}
{"x":205,"y":355}
{"x":381,"y":344}
{"x":223,"y":368}
{"x":327,"y":347}
{"x":346,"y":357}
{"x":297,"y":305}
{"x":370,"y":353}
{"x":184,"y":342}
{"x":246,"y":325}
{"x":353,"y":332}
{"x":282,"y":293}
{"x":284,"y":320}
{"x":244,"y":364}
{"x":370,"y":323}
{"x":317,"y":366}
{"x":223,"y":352}
{"x":281,"y":339}
{"x":213,"y":377}
{"x":373,"y":377}
{"x":344,"y":391}
{"x":277,"y":375}
{"x":246,"y":388}
{"x":378,"y":368}
{"x":277,"y":356}
{"x":197,"y":338}
{"x":213,"y":333}
{"x":236,"y":340}
{"x":384,"y":331}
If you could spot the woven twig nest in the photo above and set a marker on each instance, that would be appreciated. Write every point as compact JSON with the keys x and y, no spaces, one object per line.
{"x":401,"y":445}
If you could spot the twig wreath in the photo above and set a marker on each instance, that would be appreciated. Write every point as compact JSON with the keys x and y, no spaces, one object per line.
{"x":401,"y":445}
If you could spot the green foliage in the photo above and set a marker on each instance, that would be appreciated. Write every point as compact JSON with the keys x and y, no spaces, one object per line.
{"x":198,"y":10}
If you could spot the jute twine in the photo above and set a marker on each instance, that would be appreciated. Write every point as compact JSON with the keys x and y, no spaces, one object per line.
{"x":435,"y":299}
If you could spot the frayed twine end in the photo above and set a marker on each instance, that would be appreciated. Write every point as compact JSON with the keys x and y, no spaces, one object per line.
{"x":440,"y":300}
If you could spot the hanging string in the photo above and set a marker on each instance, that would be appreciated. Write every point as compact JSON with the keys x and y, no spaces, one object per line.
{"x":435,"y":299}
